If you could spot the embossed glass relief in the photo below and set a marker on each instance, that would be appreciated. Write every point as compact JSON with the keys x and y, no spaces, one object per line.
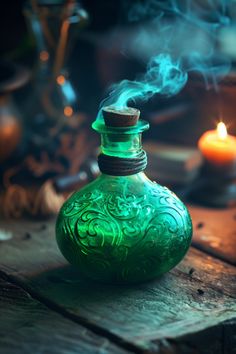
{"x":123,"y":228}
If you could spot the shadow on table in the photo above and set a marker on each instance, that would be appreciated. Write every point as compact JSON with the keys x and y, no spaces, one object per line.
{"x":67,"y":286}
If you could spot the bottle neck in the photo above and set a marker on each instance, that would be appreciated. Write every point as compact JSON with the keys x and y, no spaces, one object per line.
{"x":121,"y":145}
{"x":121,"y":154}
{"x":121,"y":149}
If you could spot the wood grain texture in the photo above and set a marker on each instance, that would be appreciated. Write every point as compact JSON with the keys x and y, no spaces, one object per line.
{"x":197,"y":295}
{"x":215,"y":232}
{"x":27,"y":327}
{"x":210,"y":271}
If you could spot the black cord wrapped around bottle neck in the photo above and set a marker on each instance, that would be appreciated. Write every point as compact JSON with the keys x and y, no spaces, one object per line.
{"x":121,"y":166}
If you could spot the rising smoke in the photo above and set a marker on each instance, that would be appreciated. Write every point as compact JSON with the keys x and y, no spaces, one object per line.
{"x":179,"y":37}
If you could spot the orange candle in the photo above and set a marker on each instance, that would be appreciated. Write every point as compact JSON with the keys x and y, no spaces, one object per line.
{"x":218,"y":147}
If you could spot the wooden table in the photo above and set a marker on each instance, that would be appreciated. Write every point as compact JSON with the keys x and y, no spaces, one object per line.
{"x":46,"y":308}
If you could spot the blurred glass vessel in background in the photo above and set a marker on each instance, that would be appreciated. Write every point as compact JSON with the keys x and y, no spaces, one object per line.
{"x":52,"y":113}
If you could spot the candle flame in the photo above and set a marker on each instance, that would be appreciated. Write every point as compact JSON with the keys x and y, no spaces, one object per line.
{"x":221,"y":130}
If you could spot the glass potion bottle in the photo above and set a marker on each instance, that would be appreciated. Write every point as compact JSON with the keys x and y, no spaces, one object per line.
{"x":122,"y":227}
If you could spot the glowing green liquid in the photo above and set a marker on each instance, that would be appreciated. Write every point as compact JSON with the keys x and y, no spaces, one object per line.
{"x":123,"y":228}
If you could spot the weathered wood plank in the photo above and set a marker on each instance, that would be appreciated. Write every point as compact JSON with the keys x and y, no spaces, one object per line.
{"x":210,"y":271}
{"x":215,"y":232}
{"x":181,"y":302}
{"x":27,"y":327}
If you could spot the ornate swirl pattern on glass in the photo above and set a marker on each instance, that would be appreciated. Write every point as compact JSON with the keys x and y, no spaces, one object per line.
{"x":114,"y":234}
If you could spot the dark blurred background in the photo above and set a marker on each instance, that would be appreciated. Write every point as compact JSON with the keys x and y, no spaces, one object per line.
{"x":39,"y":148}
{"x":96,"y":62}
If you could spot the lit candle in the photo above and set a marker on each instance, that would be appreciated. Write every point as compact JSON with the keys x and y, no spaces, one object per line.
{"x":218,"y":147}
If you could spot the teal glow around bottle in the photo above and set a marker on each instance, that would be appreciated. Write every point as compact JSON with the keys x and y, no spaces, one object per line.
{"x":122,"y":227}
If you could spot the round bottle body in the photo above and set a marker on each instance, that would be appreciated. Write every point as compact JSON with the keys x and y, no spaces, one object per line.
{"x":123,"y":229}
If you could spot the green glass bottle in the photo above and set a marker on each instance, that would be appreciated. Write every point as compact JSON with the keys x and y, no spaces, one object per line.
{"x":122,"y":227}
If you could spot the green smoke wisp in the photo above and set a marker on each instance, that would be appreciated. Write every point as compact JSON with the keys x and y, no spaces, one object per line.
{"x":174,"y":51}
{"x":163,"y":76}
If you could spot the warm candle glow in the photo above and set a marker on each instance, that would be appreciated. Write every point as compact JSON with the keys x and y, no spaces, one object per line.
{"x":44,"y":55}
{"x":222,"y":130}
{"x":218,"y":147}
{"x":61,"y":80}
{"x":68,"y":111}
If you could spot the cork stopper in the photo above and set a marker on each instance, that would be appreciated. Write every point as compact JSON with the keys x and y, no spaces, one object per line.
{"x":126,"y":117}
